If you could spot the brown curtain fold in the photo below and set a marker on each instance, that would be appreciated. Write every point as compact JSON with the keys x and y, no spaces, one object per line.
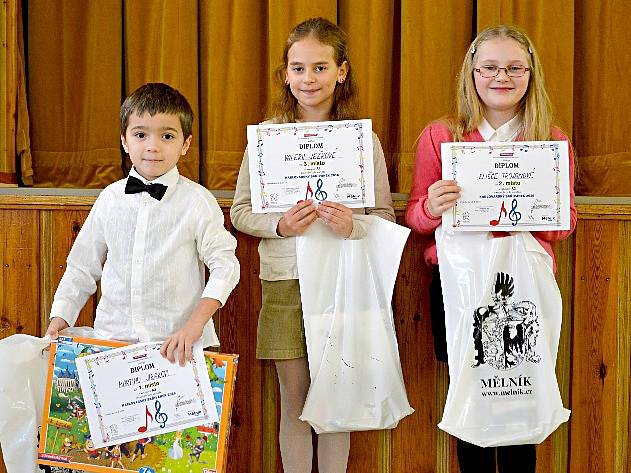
{"x":74,"y":61}
{"x":233,"y":84}
{"x":22,"y":123}
{"x":372,"y":32}
{"x":602,"y":102}
{"x":605,"y":175}
{"x":434,"y":37}
{"x":9,"y":17}
{"x":84,"y":57}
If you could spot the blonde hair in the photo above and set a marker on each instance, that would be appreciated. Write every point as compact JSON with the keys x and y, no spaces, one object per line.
{"x":535,"y":106}
{"x":345,"y":107}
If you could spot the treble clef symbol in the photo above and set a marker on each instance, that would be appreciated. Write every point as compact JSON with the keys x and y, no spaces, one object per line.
{"x":161,"y":417}
{"x":514,"y":216}
{"x":319,"y":193}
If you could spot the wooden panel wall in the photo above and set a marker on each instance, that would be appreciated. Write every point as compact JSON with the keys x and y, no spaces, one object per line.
{"x":58,"y":233}
{"x":593,"y":364}
{"x":19,"y":275}
{"x":601,"y":354}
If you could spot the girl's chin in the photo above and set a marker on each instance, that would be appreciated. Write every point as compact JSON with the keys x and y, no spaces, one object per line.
{"x":503,"y":104}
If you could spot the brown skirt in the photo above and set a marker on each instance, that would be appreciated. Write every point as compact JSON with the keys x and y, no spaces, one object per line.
{"x":280,"y":334}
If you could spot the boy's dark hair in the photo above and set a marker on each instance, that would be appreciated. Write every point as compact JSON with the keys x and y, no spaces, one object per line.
{"x":155,"y":98}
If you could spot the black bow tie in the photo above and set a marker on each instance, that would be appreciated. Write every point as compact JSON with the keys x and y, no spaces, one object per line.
{"x":135,"y":185}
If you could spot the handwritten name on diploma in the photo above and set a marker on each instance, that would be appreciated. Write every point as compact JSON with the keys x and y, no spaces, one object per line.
{"x":152,"y":376}
{"x":499,"y":176}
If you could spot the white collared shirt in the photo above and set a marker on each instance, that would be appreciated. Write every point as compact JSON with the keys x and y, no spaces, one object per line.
{"x":150,"y":257}
{"x":507,"y":132}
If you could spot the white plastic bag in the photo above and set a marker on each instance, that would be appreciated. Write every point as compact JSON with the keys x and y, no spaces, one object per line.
{"x":503,"y":320}
{"x":23,"y":368}
{"x":23,"y":374}
{"x":346,"y":289}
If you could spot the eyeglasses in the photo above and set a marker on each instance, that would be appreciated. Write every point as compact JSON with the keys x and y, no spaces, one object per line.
{"x":491,"y":71}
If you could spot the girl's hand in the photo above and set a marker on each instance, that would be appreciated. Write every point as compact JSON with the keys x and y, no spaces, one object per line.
{"x":56,"y":325}
{"x":297,"y":219}
{"x":337,"y":216}
{"x":182,"y":342}
{"x":441,"y":196}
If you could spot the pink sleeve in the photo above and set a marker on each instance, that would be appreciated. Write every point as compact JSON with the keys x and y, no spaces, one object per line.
{"x":563,"y":234}
{"x":427,"y":170}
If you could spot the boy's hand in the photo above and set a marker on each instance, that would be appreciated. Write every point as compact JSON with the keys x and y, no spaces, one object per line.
{"x":182,"y":343}
{"x":297,"y":219}
{"x":338,"y":217}
{"x":182,"y":340}
{"x":56,"y":325}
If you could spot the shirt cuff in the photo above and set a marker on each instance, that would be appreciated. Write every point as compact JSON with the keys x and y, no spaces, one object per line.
{"x":217,"y":289}
{"x":65,"y":310}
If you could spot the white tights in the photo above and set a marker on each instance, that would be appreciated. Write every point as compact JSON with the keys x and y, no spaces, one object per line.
{"x":295,"y":435}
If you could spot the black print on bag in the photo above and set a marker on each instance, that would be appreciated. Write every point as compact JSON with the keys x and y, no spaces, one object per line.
{"x":505,"y":333}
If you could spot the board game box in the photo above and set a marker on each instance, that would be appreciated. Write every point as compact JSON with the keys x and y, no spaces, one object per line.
{"x":65,"y":436}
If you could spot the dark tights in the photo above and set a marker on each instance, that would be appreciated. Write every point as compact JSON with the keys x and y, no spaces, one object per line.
{"x":510,"y":459}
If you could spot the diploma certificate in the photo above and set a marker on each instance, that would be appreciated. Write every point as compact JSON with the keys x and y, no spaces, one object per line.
{"x":508,"y":186}
{"x":133,"y":392}
{"x":320,"y":161}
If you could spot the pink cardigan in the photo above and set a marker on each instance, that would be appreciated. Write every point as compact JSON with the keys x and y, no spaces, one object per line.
{"x":428,"y":169}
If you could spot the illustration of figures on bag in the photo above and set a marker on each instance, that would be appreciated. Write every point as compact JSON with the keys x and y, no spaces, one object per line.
{"x":505,"y":333}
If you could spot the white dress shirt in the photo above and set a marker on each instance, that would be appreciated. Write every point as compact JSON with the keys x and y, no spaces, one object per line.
{"x":507,"y":132}
{"x":149,"y":256}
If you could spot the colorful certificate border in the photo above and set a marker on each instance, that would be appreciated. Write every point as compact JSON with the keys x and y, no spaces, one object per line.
{"x":554,"y":146}
{"x":272,"y":130}
{"x":52,"y":426}
{"x":132,"y":351}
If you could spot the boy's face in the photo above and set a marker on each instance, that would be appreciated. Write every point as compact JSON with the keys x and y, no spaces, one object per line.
{"x":154,"y":143}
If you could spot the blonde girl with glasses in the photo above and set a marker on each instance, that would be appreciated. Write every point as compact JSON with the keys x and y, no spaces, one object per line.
{"x":500,"y":96}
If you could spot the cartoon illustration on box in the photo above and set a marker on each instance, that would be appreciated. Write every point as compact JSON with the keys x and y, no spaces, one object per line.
{"x":65,"y":434}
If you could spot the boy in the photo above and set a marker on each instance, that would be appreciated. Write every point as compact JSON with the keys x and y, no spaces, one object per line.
{"x":148,"y":237}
